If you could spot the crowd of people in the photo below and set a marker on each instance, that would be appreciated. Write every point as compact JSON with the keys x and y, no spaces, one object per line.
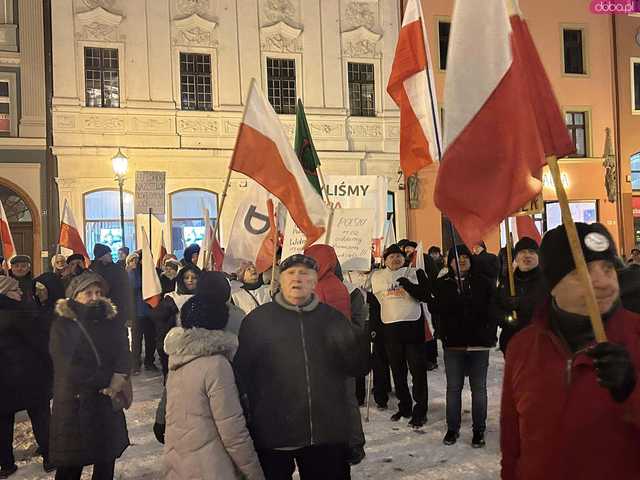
{"x":264,"y":372}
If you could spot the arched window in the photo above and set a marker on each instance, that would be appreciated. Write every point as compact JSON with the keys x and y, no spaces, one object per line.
{"x":102,"y":220}
{"x":187,"y":217}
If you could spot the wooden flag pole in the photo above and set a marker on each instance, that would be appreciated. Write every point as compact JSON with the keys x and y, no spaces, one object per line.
{"x":512,"y":281}
{"x":576,"y":251}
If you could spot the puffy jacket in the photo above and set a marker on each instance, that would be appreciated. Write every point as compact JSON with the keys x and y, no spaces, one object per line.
{"x":206,"y":435}
{"x":557,"y":423}
{"x":292,"y":366}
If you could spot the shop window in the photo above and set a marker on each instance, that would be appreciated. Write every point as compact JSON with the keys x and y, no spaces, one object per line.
{"x":195,"y":81}
{"x":578,"y":128}
{"x":361,"y":89}
{"x":281,"y":84}
{"x":573,"y":48}
{"x":635,"y":85}
{"x":635,"y":202}
{"x":102,"y":77}
{"x":102,"y":220}
{"x":583,"y":211}
{"x":635,"y":171}
{"x":444,"y":28}
{"x":187,"y":217}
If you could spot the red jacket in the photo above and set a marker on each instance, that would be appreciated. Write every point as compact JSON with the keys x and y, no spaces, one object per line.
{"x":330,"y":289}
{"x":557,"y":423}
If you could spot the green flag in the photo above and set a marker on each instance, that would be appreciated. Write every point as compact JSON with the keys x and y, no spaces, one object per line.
{"x":305,"y":150}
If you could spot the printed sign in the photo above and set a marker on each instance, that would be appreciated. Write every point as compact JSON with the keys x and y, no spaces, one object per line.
{"x":150,"y":192}
{"x":533,"y":207}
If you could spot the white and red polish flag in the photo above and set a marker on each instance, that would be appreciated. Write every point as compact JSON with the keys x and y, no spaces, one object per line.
{"x":412,"y":87}
{"x":501,"y":121}
{"x":70,"y":236}
{"x":8,"y":247}
{"x":264,"y":153}
{"x":151,"y":287}
{"x":163,"y":251}
{"x":253,"y":232}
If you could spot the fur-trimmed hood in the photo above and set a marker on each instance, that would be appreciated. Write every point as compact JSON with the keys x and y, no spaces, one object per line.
{"x":184,"y":345}
{"x":65,"y":308}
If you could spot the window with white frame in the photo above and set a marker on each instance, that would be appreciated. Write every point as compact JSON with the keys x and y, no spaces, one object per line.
{"x":187,"y":217}
{"x":195,"y":81}
{"x":102,"y":220}
{"x":102,"y":77}
{"x":578,"y":128}
{"x":361,"y":89}
{"x":5,"y":109}
{"x":281,"y":84}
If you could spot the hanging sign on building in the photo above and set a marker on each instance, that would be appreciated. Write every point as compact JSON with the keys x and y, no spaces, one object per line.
{"x":349,"y":234}
{"x":150,"y":192}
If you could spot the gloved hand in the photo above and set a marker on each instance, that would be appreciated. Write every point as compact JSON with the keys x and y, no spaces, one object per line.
{"x":415,"y":290}
{"x":614,"y":369}
{"x":158,"y":431}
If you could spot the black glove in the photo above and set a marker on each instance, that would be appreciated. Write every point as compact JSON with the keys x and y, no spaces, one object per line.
{"x":614,"y":369}
{"x":415,"y":290}
{"x":158,"y":431}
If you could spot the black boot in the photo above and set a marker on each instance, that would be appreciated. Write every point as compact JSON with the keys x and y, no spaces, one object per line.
{"x":451,"y":437}
{"x":399,"y":414}
{"x":478,"y":439}
{"x":7,"y":470}
{"x":356,"y":455}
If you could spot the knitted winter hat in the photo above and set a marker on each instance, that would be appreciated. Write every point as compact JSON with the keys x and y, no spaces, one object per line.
{"x":100,"y":250}
{"x":197,"y":312}
{"x":84,"y":281}
{"x":525,"y":243}
{"x":75,"y":256}
{"x":213,"y":287}
{"x":556,"y":260}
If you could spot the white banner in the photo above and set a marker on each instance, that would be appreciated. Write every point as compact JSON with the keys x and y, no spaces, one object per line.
{"x":350,"y":235}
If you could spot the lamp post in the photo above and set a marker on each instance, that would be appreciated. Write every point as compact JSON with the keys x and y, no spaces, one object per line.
{"x":120,"y":164}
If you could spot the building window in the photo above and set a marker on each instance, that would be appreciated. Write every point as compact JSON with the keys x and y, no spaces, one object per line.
{"x":361,"y":89}
{"x":5,"y":110}
{"x":635,"y":171}
{"x":102,"y":77}
{"x":573,"y":46}
{"x":281,"y":84}
{"x":195,"y":81}
{"x":635,"y":84}
{"x":577,"y":126}
{"x":187,"y":217}
{"x":102,"y":220}
{"x":443,"y":42}
{"x":583,"y":211}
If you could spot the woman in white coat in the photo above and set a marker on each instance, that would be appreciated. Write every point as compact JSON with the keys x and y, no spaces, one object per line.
{"x":206,"y":435}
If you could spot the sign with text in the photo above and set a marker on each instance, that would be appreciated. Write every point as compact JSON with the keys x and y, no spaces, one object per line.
{"x":349,"y":234}
{"x":150,"y":192}
{"x":533,"y":207}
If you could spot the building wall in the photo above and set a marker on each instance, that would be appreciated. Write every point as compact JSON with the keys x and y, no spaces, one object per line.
{"x":195,"y":147}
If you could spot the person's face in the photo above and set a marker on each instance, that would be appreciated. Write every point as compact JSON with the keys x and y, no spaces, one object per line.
{"x":465,"y":264}
{"x":569,"y":293}
{"x":190,"y":280}
{"x":250,"y":275}
{"x":89,"y":295}
{"x":170,"y":271}
{"x":122,"y":256}
{"x":394,"y":261}
{"x":526,"y":260}
{"x":41,"y":292}
{"x":132,"y":263}
{"x":194,"y":258}
{"x":435,"y":255}
{"x":297,"y":284}
{"x":60,"y":263}
{"x":106,"y":259}
{"x":20,"y":269}
{"x":74,"y":264}
{"x":408,"y":250}
{"x":635,"y":255}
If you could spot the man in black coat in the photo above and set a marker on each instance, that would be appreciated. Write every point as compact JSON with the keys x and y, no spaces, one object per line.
{"x":21,"y":271}
{"x":530,"y":291}
{"x":292,"y":365}
{"x":25,"y":373}
{"x":486,"y":263}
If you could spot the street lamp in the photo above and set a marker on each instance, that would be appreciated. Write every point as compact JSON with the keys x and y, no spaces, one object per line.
{"x":120,"y":163}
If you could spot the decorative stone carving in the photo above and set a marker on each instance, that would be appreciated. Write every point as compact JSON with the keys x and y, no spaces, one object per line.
{"x":98,"y":24}
{"x":194,"y":30}
{"x":99,"y":3}
{"x":230,"y":127}
{"x":361,"y":42}
{"x":103,"y":123}
{"x":365,"y":131}
{"x":64,"y":122}
{"x":189,"y":7}
{"x":198,"y":126}
{"x":151,"y":124}
{"x":326,"y":129}
{"x":279,"y":10}
{"x":359,"y":14}
{"x":281,"y":37}
{"x":392,"y":131}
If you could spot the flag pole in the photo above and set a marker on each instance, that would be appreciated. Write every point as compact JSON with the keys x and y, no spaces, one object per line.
{"x":512,"y":282}
{"x":576,"y":251}
{"x":272,"y":286}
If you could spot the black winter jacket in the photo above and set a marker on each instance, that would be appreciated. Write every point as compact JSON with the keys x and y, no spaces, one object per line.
{"x":120,"y":291}
{"x":464,"y":319}
{"x":292,"y":366}
{"x":530,"y":292}
{"x":84,"y":428}
{"x":26,"y":375}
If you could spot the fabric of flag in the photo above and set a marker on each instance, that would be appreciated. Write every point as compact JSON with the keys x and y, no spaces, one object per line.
{"x":216,"y":255}
{"x":496,"y":136}
{"x":8,"y":247}
{"x":389,"y":236}
{"x":151,"y":287}
{"x":163,"y":251}
{"x":412,"y":88}
{"x":305,"y":149}
{"x":526,"y":227}
{"x":263,"y":152}
{"x":251,"y":237}
{"x":70,"y":235}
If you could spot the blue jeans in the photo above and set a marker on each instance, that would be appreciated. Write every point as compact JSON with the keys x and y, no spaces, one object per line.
{"x":459,"y":364}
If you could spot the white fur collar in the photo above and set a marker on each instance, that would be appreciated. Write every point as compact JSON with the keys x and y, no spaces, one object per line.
{"x":63,"y":308}
{"x":186,"y":344}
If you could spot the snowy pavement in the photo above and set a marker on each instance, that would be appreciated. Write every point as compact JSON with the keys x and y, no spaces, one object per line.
{"x":394,"y":451}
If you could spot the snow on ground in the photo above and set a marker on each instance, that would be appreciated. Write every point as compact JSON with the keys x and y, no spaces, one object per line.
{"x":394,"y":451}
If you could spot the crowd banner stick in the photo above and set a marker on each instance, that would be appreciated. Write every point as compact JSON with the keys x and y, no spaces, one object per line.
{"x":576,"y":252}
{"x":323,"y":193}
{"x":370,"y":381}
{"x":512,"y":282}
{"x":150,"y":230}
{"x":272,"y":286}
